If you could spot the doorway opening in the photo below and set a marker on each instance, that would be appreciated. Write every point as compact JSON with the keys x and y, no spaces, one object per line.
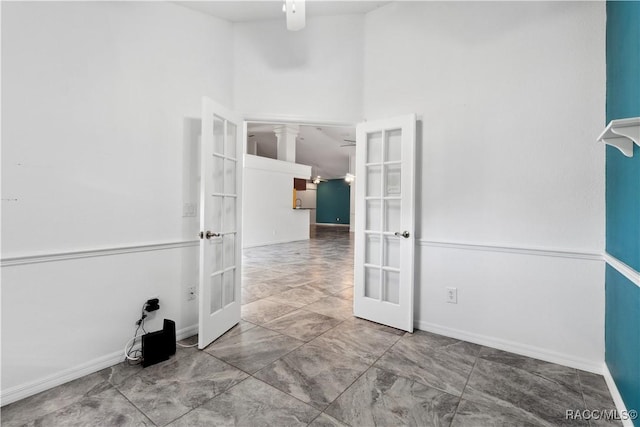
{"x":296,"y":177}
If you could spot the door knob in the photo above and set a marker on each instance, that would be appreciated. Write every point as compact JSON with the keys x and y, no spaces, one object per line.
{"x":209,"y":235}
{"x":404,"y":234}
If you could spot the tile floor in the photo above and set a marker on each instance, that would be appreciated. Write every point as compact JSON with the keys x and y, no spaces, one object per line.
{"x":299,"y":357}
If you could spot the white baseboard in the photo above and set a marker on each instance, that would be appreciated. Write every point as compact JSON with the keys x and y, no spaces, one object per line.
{"x":22,"y":391}
{"x":615,"y":394}
{"x":274,"y":242}
{"x":513,"y":347}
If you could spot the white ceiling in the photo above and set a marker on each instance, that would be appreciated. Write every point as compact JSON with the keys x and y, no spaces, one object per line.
{"x":246,"y":10}
{"x":322,"y":147}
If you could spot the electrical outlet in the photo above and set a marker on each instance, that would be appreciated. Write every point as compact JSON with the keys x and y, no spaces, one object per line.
{"x":452,"y":295}
{"x":191,"y":293}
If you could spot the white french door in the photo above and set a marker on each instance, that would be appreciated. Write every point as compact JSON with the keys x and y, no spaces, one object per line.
{"x":220,"y":222}
{"x":385,"y":218}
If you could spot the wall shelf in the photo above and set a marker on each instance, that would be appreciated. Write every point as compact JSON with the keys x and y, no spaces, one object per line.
{"x":622,"y":134}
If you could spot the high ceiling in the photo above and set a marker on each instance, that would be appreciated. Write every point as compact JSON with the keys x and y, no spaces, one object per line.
{"x":246,"y":11}
{"x":322,"y":147}
{"x":325,"y":148}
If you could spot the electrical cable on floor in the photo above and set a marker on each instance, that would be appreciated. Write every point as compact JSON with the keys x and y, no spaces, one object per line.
{"x":186,"y":346}
{"x":130,"y":354}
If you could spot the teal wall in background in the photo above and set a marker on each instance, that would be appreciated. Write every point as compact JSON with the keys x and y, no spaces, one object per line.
{"x":623,"y":101}
{"x":622,"y":312}
{"x":332,"y":202}
{"x":622,"y":308}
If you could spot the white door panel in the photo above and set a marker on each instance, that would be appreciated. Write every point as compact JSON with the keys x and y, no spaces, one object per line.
{"x":220,"y":210}
{"x":385,"y":221}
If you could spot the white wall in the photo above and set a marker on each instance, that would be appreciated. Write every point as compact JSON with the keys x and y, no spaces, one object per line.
{"x":268,"y":216}
{"x":315,"y":73}
{"x":96,"y":142}
{"x":511,"y":97}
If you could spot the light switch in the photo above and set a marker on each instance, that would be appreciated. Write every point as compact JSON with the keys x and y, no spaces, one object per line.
{"x":189,"y":209}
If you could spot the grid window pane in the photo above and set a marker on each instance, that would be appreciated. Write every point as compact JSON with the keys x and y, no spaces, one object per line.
{"x":374,"y":209}
{"x":229,"y":248}
{"x":230,"y":148}
{"x":372,"y":249}
{"x":392,"y":183}
{"x":215,"y":304}
{"x":230,"y":177}
{"x":393,"y":145}
{"x":392,"y":251}
{"x":391,"y":287}
{"x":228,"y":280}
{"x":372,"y":283}
{"x":374,"y":147}
{"x":374,"y":180}
{"x":218,"y":135}
{"x":392,"y":215}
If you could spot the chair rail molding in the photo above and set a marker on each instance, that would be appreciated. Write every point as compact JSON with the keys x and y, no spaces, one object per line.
{"x":623,"y":268}
{"x":489,"y":247}
{"x":97,"y":252}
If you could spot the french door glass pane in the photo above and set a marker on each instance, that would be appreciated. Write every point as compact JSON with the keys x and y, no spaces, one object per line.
{"x":392,"y":251}
{"x":374,"y":147}
{"x":393,"y":145}
{"x":230,"y":148}
{"x":230,"y":176}
{"x":217,"y":172}
{"x":372,"y":249}
{"x":216,"y":254}
{"x":216,"y":213}
{"x":229,"y":223}
{"x":392,"y":183}
{"x":215,"y":303}
{"x":228,"y":279}
{"x":374,"y":180}
{"x":229,"y":248}
{"x":392,"y":215}
{"x":218,"y":135}
{"x":391,"y":287}
{"x":374,"y":210}
{"x":372,"y":283}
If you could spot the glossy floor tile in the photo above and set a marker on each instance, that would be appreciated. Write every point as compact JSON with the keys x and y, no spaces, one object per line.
{"x":170,"y":389}
{"x":303,"y":325}
{"x":299,"y":357}
{"x":522,"y":393}
{"x":382,"y":398}
{"x":250,"y":403}
{"x":440,"y":362}
{"x":109,"y":408}
{"x":253,"y":349}
{"x":314,"y":373}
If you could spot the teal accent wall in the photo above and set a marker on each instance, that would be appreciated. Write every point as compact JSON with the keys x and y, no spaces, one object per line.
{"x":622,"y":312}
{"x":622,"y":306}
{"x":623,"y":101}
{"x":332,"y":202}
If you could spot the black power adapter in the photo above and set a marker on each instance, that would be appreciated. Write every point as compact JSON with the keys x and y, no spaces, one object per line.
{"x":152,"y":305}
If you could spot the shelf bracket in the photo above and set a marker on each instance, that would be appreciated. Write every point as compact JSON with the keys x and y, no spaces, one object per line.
{"x":622,"y":134}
